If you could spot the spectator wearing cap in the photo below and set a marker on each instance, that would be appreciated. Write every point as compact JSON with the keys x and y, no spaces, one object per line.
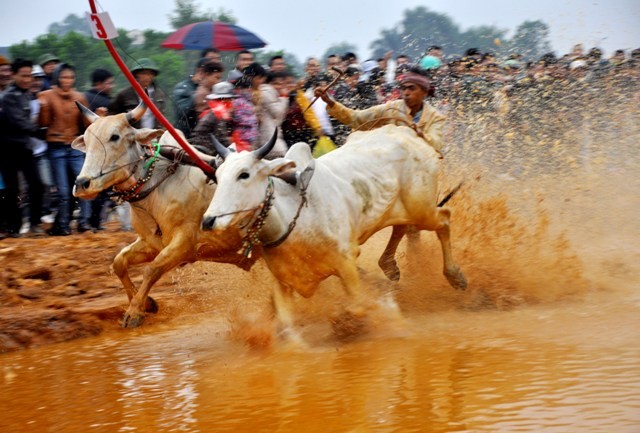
{"x":17,"y":156}
{"x":64,"y":123}
{"x":211,"y":75}
{"x":183,"y":92}
{"x":5,"y":73}
{"x":413,"y":109}
{"x":145,"y":71}
{"x":217,"y":119}
{"x":48,"y":63}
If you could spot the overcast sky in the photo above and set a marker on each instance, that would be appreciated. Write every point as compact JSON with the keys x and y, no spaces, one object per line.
{"x":308,"y":27}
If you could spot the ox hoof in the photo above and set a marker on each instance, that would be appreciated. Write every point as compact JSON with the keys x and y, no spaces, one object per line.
{"x":129,"y":321}
{"x":151,"y":306}
{"x":457,"y":279}
{"x":390,"y":269}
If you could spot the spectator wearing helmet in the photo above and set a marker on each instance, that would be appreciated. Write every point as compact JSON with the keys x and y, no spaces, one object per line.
{"x":145,"y":72}
{"x":48,"y":63}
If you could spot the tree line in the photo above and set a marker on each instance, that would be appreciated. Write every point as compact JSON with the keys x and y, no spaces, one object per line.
{"x":420,"y":27}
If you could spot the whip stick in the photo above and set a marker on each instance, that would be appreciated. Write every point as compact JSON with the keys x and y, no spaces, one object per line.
{"x":335,"y":80}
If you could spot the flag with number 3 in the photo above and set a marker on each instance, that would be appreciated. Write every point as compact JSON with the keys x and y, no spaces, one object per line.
{"x":101,"y":26}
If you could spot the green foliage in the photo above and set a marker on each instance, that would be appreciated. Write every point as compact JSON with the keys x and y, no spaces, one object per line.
{"x":188,"y":11}
{"x":87,"y":54}
{"x":421,"y":28}
{"x":225,"y":16}
{"x":531,"y":40}
{"x":72,"y":23}
{"x":418,"y":29}
{"x":483,"y":38}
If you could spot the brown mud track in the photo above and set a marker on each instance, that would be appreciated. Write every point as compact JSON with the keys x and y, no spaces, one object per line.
{"x":55,"y":289}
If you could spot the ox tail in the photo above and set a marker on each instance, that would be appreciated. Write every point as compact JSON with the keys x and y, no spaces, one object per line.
{"x":448,"y":196}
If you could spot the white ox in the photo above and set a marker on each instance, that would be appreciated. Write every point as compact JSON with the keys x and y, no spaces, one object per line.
{"x":168,"y":218}
{"x":379,"y":178}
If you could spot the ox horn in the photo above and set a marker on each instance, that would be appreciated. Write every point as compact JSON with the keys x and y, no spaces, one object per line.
{"x":219,"y":147}
{"x":88,"y":114}
{"x":136,"y":114}
{"x":266,"y":148}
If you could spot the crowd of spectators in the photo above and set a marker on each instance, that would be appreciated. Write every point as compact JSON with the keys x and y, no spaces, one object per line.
{"x":529,"y":101}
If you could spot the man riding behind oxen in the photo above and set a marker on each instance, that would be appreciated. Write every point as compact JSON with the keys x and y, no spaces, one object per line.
{"x":412,"y":110}
{"x":312,"y":215}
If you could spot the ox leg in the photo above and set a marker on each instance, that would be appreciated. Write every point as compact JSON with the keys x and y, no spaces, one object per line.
{"x":451,"y":271}
{"x":348,"y":273}
{"x":387,"y":261}
{"x":170,"y":257}
{"x":282,"y":299}
{"x":135,"y":254}
{"x":353,"y":322}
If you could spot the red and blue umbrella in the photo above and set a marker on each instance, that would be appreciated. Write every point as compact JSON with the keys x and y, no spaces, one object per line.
{"x":214,"y":34}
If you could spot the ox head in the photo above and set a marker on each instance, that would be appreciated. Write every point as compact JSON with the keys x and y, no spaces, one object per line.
{"x":243,"y":179}
{"x":112,"y":147}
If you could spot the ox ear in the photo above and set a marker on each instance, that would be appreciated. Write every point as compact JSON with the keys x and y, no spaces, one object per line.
{"x":284,"y":169}
{"x":146,"y":135}
{"x":79,"y":144}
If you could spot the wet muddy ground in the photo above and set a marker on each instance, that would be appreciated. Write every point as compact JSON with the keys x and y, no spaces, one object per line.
{"x":545,"y":338}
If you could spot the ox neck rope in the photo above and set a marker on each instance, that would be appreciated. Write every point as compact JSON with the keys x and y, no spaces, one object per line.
{"x":251,"y":237}
{"x":135,"y":192}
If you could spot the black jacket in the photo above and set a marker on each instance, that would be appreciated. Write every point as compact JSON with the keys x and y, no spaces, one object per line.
{"x":97,"y":99}
{"x":186,"y":117}
{"x":17,"y":126}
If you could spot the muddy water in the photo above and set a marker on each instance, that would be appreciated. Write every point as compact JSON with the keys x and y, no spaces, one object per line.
{"x":545,"y":339}
{"x":573,"y":367}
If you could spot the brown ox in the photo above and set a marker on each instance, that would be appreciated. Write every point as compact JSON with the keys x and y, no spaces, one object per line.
{"x":167,"y":203}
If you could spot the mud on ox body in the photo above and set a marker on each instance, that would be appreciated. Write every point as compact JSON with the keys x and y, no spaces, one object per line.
{"x":166,"y":211}
{"x":379,"y":178}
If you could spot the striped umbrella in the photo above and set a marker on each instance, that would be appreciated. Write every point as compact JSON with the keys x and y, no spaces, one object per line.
{"x":212,"y":34}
